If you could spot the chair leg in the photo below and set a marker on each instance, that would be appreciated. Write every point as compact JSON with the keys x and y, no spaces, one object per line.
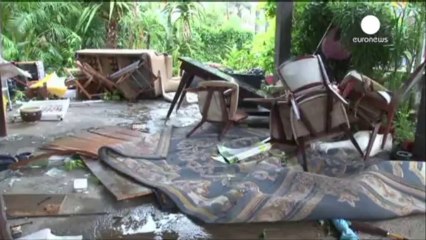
{"x":225,"y":128}
{"x":371,"y":141}
{"x":354,"y":142}
{"x":195,"y":128}
{"x":390,"y":117}
{"x":302,"y":150}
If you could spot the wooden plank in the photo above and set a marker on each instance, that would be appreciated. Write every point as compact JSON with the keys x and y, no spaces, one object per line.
{"x":4,"y":225}
{"x":121,"y":187}
{"x":28,"y":205}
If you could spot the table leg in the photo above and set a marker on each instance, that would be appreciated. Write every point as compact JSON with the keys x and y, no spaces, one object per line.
{"x":188,"y":83}
{"x":182,"y":83}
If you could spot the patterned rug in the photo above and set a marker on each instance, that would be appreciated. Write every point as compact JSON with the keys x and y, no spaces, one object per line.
{"x":263,"y":190}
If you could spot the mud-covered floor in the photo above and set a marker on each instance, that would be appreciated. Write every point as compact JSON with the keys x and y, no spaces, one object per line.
{"x":138,"y":218}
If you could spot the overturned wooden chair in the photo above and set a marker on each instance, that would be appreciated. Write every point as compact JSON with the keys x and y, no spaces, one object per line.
{"x":218,"y":102}
{"x":133,"y":79}
{"x":95,"y":84}
{"x":312,"y":109}
{"x":317,"y":108}
{"x":372,"y":105}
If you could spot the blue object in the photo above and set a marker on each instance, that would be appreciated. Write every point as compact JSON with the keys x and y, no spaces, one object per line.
{"x":346,"y":233}
{"x":5,"y":161}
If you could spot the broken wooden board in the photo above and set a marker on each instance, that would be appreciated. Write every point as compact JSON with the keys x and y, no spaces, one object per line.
{"x":120,"y":186}
{"x":127,"y":142}
{"x":29,"y":205}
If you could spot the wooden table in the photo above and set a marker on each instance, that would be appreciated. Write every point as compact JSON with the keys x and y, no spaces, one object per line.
{"x":192,"y":68}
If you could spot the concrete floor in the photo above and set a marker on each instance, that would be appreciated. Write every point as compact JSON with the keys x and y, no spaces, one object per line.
{"x":138,"y":218}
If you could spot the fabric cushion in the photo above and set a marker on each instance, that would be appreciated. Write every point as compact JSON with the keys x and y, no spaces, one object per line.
{"x":215,"y":112}
{"x":315,"y":110}
{"x":301,"y":72}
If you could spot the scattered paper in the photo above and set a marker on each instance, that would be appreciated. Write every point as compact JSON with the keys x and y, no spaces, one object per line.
{"x":233,"y":155}
{"x":80,"y":184}
{"x":53,"y":172}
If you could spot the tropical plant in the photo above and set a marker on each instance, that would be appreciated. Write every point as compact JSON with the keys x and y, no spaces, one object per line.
{"x":30,"y":32}
{"x":181,"y":14}
{"x":216,"y":43}
{"x":141,"y":28}
{"x":110,"y":12}
{"x":270,"y":8}
{"x":259,"y":53}
{"x":405,"y":126}
{"x":313,"y":18}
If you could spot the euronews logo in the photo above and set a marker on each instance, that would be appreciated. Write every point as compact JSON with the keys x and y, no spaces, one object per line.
{"x":370,"y":25}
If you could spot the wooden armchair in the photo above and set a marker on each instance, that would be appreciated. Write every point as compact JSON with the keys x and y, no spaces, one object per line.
{"x":312,"y":108}
{"x":218,"y":102}
{"x":374,"y":105}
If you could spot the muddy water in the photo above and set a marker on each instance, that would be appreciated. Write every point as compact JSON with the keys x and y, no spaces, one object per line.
{"x":148,"y":222}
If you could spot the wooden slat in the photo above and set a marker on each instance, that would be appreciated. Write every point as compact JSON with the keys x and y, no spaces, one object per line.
{"x":28,"y":205}
{"x":121,"y":187}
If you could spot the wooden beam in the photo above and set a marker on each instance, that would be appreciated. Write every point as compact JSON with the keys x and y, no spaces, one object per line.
{"x":3,"y":126}
{"x":283,"y":31}
{"x":419,"y":143}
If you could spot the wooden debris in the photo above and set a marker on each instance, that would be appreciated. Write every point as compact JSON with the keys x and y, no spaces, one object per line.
{"x":120,"y":186}
{"x":28,"y":205}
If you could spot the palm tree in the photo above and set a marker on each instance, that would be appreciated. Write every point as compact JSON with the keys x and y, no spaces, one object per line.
{"x":111,"y":13}
{"x":181,"y":14}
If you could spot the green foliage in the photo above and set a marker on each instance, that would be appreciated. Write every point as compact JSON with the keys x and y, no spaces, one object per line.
{"x":403,"y":26}
{"x":30,"y":32}
{"x":19,"y":96}
{"x":53,"y":31}
{"x":271,"y":90}
{"x":270,"y":8}
{"x":215,"y":43}
{"x":309,"y":24}
{"x":241,"y":59}
{"x":260,"y":53}
{"x":313,"y":18}
{"x":74,"y":163}
{"x":112,"y":96}
{"x":404,"y":125}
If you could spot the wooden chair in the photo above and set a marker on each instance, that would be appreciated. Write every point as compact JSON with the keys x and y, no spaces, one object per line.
{"x":133,"y":79}
{"x":218,"y":102}
{"x":372,"y":104}
{"x":312,"y":109}
{"x":94,"y":78}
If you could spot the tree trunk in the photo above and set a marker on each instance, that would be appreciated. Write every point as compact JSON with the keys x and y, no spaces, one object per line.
{"x":112,"y":33}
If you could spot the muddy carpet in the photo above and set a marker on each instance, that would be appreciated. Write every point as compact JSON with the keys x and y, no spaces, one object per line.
{"x":263,"y":191}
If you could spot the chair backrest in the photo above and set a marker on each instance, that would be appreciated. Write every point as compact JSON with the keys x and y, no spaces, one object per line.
{"x":217,"y":110}
{"x":301,"y":73}
{"x":314,"y":114}
{"x":412,"y":81}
